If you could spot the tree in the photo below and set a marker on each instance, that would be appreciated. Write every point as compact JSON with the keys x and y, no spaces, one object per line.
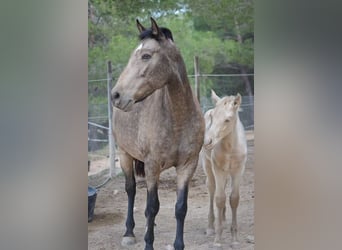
{"x":220,"y":33}
{"x":233,"y":22}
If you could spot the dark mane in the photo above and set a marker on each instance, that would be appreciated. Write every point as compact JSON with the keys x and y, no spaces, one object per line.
{"x":148,"y":34}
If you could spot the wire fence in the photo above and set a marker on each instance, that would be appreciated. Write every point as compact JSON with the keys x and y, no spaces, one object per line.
{"x":98,"y":117}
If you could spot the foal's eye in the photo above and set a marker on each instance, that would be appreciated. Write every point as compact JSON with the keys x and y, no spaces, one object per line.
{"x":146,"y":56}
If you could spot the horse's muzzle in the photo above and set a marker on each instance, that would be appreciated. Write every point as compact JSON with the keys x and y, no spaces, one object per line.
{"x":118,"y":101}
{"x":208,"y":144}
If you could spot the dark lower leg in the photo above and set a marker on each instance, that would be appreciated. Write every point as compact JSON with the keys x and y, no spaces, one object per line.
{"x":131,"y":190}
{"x":152,"y":208}
{"x":180,"y":211}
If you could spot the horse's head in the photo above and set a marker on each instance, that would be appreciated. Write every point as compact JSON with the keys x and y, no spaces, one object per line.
{"x":221,"y":120}
{"x":151,"y":65}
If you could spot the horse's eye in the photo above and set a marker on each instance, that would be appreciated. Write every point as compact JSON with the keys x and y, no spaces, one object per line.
{"x":146,"y":56}
{"x":227,"y":120}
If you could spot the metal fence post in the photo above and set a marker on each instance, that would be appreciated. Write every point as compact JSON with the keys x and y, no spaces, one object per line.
{"x":110,"y":130}
{"x":197,"y":81}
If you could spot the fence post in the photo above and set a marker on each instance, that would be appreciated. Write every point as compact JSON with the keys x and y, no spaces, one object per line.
{"x":110,"y":130}
{"x":197,"y":82}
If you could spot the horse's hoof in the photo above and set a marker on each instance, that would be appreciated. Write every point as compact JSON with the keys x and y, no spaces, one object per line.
{"x":210,"y":231}
{"x":169,"y":247}
{"x":217,"y":243}
{"x":217,"y":246}
{"x":127,"y":241}
{"x":250,"y":239}
{"x":235,"y":244}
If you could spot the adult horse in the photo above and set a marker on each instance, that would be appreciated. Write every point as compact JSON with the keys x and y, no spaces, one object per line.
{"x":157,"y":123}
{"x":223,"y":155}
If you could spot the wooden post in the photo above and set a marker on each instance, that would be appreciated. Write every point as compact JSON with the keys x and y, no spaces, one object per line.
{"x":110,"y":130}
{"x":197,"y":81}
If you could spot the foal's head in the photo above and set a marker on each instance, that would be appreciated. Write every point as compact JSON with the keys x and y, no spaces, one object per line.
{"x":221,"y":120}
{"x":154,"y":63}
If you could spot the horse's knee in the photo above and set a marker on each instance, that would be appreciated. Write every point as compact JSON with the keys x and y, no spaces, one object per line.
{"x":234,"y":200}
{"x":210,"y":184}
{"x":220,"y":201}
{"x":181,"y":210}
{"x":152,"y":206}
{"x":130,"y":186}
{"x":181,"y":204}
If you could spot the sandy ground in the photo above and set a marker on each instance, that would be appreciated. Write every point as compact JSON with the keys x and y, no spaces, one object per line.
{"x":106,"y":230}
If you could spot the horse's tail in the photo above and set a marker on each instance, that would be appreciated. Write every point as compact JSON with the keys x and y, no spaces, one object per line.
{"x":139,"y":168}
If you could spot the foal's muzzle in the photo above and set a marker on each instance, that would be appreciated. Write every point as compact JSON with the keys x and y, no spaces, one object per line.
{"x":208,"y":144}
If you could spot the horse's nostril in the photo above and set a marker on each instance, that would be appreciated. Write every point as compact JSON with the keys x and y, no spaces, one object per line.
{"x":115,"y":95}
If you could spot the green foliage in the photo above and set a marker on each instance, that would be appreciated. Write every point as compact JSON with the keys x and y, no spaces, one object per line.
{"x":220,"y":33}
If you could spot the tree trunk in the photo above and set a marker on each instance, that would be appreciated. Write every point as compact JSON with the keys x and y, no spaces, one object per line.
{"x":244,"y":71}
{"x":243,"y":68}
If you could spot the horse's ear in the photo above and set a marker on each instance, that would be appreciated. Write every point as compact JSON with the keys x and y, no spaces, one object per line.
{"x":237,"y":100}
{"x":155,"y":28}
{"x":214,"y":97}
{"x":140,"y":27}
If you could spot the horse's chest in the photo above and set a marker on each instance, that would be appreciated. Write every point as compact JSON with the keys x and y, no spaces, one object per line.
{"x":227,"y":160}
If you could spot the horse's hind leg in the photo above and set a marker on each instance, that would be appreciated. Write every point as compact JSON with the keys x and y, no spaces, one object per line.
{"x":126,"y":162}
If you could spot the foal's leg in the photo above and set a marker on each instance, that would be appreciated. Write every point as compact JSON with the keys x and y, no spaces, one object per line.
{"x":221,"y":178}
{"x":126,"y":162}
{"x":234,"y":203}
{"x":152,"y":206}
{"x":184,"y":175}
{"x":210,"y":182}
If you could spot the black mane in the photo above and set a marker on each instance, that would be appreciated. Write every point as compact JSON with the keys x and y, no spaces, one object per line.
{"x":148,"y":34}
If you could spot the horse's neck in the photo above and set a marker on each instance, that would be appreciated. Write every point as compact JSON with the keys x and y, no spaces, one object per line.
{"x":178,"y":96}
{"x":178,"y":89}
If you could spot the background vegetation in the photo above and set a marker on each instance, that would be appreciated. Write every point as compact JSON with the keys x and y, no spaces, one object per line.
{"x":219,"y":32}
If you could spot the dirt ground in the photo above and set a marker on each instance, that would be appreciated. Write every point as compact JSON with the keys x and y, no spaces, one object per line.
{"x":106,"y":230}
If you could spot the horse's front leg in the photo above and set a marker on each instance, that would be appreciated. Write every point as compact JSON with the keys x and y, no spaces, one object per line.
{"x":210,"y":182}
{"x":184,"y":175}
{"x":126,"y":162}
{"x":221,"y":178}
{"x":152,"y":207}
{"x":234,"y":203}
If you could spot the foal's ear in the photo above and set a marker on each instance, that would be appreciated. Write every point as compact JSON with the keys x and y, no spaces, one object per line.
{"x":140,"y":27}
{"x":237,"y":100}
{"x":155,"y":28}
{"x":214,"y":97}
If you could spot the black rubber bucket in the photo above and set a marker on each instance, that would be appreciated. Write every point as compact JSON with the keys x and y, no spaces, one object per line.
{"x":92,"y":193}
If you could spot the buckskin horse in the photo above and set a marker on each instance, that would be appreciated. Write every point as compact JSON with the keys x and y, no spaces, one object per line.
{"x":157,"y":124}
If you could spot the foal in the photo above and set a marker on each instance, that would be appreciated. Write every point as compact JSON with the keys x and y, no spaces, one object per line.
{"x":223,"y":154}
